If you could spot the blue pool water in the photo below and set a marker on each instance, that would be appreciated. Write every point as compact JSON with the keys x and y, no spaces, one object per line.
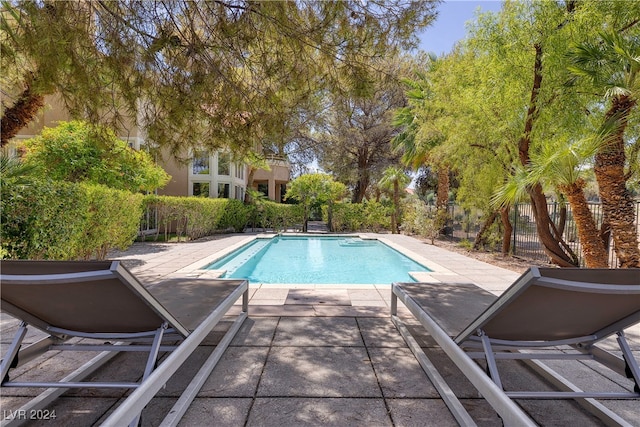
{"x":317,"y":260}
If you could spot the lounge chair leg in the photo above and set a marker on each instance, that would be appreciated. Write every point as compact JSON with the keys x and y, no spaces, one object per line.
{"x":151,"y":363}
{"x":631,"y":365}
{"x":491,"y":360}
{"x":394,"y":304}
{"x":11,"y":357}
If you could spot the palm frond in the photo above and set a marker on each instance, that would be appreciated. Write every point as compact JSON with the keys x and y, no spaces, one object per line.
{"x":15,"y":172}
{"x":611,"y":62}
{"x":512,"y":191}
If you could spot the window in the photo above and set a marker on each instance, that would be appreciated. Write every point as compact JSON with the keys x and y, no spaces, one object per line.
{"x":239,"y":171}
{"x":223,"y":164}
{"x":200,"y":163}
{"x":201,"y":189}
{"x":239,"y":193}
{"x":223,"y":191}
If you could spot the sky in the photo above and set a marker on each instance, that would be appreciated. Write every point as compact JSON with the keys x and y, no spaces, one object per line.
{"x":449,"y":26}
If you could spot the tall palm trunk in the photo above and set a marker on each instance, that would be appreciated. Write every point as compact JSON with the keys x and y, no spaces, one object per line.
{"x":617,"y":202}
{"x":595,"y":255}
{"x":20,"y":114}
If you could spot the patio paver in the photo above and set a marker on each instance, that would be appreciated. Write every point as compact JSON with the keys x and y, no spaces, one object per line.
{"x":308,"y":355}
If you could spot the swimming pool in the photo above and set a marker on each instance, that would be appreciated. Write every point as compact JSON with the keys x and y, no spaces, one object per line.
{"x":317,"y":260}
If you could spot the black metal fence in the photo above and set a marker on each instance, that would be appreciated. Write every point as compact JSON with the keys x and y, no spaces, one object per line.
{"x":466,"y":224}
{"x":525,"y":243}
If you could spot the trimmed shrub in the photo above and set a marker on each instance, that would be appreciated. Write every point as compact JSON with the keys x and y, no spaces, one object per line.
{"x":63,"y":221}
{"x":195,"y":217}
{"x":366,"y":216}
{"x":279,"y":216}
{"x":113,"y":220}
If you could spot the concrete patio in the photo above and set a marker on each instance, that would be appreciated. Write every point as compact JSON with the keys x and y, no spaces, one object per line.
{"x":310,"y":355}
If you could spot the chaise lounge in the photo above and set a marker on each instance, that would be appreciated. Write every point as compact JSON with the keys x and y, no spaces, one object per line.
{"x":102,"y":300}
{"x":544,"y":308}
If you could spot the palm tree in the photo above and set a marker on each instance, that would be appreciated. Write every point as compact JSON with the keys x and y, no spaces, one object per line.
{"x":395,"y":178}
{"x":14,"y":172}
{"x":420,"y":136}
{"x":611,"y":65}
{"x":562,"y":166}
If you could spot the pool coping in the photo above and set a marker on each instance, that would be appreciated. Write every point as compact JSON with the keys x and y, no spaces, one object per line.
{"x":197,"y":268}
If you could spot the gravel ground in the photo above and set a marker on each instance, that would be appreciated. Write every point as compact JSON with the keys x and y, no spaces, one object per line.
{"x":494,"y":258}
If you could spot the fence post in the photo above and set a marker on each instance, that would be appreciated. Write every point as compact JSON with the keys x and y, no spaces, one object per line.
{"x":515,"y":226}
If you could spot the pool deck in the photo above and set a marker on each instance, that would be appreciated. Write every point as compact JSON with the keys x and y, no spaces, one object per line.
{"x":310,"y":355}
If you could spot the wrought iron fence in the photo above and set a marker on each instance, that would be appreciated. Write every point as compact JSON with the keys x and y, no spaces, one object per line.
{"x":465,"y":224}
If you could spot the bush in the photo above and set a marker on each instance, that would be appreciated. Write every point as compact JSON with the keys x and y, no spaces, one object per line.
{"x":279,"y":217}
{"x":113,"y":220}
{"x":195,"y":217}
{"x":420,"y":219}
{"x":78,"y":152}
{"x":63,"y":221}
{"x":366,"y":216}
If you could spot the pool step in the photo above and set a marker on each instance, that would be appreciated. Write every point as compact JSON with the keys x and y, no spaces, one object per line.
{"x":244,"y":256}
{"x":357,"y":242}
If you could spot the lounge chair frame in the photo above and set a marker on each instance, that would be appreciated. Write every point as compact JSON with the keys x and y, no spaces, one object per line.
{"x":474,"y":343}
{"x":150,"y":341}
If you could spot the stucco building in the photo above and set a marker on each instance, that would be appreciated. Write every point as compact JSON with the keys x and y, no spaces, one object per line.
{"x":206,"y":174}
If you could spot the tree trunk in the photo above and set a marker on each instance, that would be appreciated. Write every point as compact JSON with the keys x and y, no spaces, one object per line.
{"x":396,"y":208}
{"x":330,"y":216}
{"x":551,"y":241}
{"x":593,"y":250}
{"x":361,"y":190}
{"x":617,"y":202}
{"x":252,"y":172}
{"x":442,"y":199}
{"x":605,"y":231}
{"x":363,"y":177}
{"x":19,"y":115}
{"x":553,"y":244}
{"x":508,"y":231}
{"x":481,"y":238}
{"x":562,"y":221}
{"x":305,"y":221}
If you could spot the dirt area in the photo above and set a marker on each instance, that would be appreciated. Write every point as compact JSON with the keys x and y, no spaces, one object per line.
{"x":494,"y":258}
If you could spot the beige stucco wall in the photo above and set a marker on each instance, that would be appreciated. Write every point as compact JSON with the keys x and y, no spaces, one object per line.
{"x":55,"y":112}
{"x":178,"y":185}
{"x":279,"y":172}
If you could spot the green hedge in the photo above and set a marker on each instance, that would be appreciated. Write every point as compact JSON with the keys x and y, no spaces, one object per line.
{"x":277,"y":216}
{"x":58,"y":220}
{"x":195,"y":217}
{"x":366,"y":216}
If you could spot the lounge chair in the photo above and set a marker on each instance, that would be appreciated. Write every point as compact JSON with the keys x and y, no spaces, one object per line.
{"x":103,"y":300}
{"x":545,"y":307}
